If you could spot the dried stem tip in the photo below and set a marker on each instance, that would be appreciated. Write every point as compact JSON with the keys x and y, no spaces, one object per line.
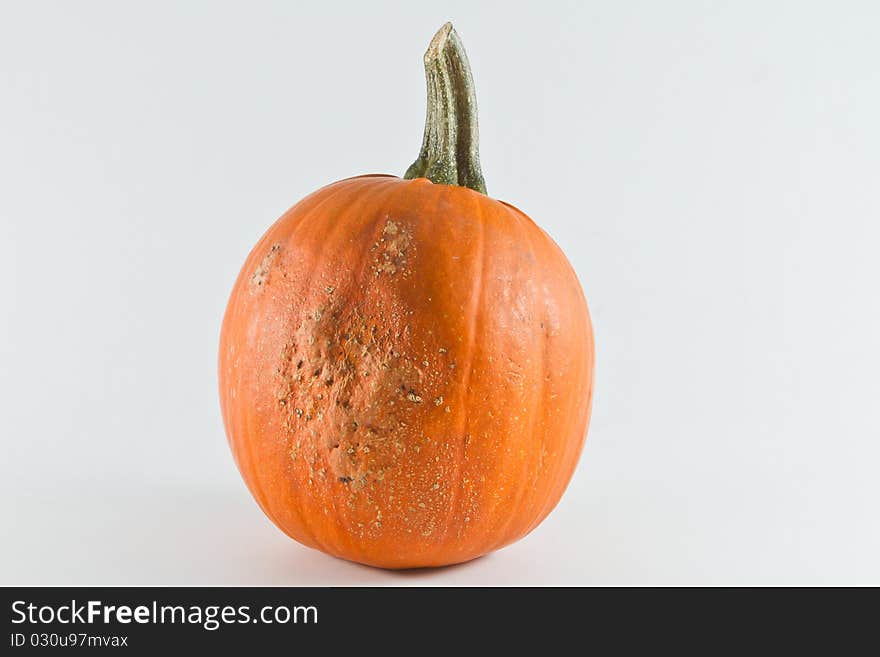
{"x":450,"y":153}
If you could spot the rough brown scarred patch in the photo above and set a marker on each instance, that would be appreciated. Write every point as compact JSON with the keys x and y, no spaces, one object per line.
{"x":260,"y":277}
{"x":391,"y":250}
{"x":346,"y":393}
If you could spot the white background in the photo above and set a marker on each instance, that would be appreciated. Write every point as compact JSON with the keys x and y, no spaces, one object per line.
{"x":711,"y":169}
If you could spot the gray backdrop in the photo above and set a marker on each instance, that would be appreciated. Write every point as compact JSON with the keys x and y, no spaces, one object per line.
{"x":711,"y":170}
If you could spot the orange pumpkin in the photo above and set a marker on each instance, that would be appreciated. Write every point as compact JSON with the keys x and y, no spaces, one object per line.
{"x":406,"y":365}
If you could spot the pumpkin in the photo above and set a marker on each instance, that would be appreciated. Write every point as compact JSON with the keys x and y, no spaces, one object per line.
{"x":406,"y":365}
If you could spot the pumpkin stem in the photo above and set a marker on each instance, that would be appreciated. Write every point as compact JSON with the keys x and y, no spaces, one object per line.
{"x":450,"y":153}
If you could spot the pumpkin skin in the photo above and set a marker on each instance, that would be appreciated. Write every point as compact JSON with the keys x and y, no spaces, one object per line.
{"x":406,"y":372}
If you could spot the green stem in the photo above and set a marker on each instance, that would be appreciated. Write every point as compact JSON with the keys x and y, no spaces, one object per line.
{"x":450,"y":153}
